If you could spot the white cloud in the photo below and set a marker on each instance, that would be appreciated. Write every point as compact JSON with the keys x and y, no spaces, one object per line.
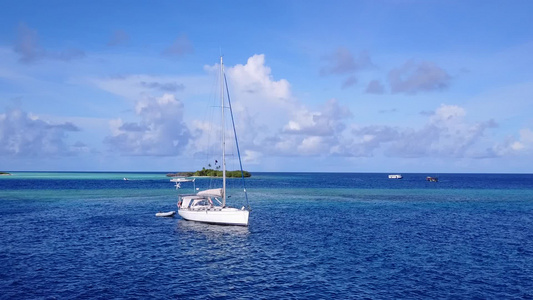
{"x":314,"y":145}
{"x":526,"y":137}
{"x":448,"y":113}
{"x":30,"y":50}
{"x":321,"y":123}
{"x":255,"y":79}
{"x":26,"y":135}
{"x":350,"y":81}
{"x":447,"y":133}
{"x":261,"y":104}
{"x":278,"y":146}
{"x":252,"y":157}
{"x":309,"y":133}
{"x":272,"y":122}
{"x":375,"y":87}
{"x":323,"y":132}
{"x":517,"y":146}
{"x":413,"y":77}
{"x":136,"y":86}
{"x":160,"y":132}
{"x":180,"y":47}
{"x":363,"y":141}
{"x":165,"y":86}
{"x":343,"y":62}
{"x":257,"y":101}
{"x":512,"y":146}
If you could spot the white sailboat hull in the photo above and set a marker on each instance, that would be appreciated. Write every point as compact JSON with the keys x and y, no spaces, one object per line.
{"x":220,"y":216}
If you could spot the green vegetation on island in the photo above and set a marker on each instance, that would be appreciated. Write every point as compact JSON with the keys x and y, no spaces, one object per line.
{"x":5,"y":173}
{"x":211,"y":173}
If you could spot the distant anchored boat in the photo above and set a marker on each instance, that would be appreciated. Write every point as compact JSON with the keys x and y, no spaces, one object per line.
{"x":395,"y":176}
{"x":432,"y":179}
{"x":179,"y":180}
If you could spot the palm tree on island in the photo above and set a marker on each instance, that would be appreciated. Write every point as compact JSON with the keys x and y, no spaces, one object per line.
{"x":211,"y":173}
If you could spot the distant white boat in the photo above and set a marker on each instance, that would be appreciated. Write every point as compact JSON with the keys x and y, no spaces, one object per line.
{"x":209,"y":206}
{"x":395,"y":176}
{"x":165,"y":214}
{"x":179,"y":180}
{"x":182,"y":179}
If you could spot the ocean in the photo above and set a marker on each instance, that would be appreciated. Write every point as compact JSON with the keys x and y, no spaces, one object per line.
{"x":311,"y":236}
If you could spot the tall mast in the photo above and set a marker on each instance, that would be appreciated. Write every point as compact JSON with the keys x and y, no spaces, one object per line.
{"x":223,"y":133}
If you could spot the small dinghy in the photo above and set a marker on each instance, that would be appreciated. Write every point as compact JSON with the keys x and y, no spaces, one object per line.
{"x":165,"y":214}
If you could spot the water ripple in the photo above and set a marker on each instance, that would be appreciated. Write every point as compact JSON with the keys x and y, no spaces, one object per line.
{"x":302,"y":243}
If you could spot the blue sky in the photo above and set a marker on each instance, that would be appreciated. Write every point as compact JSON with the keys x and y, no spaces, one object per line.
{"x":333,"y":86}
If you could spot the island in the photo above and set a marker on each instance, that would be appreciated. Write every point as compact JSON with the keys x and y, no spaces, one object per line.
{"x":210,"y":173}
{"x":4,"y":173}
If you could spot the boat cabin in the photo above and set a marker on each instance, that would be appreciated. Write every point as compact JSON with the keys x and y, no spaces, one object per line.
{"x":195,"y":202}
{"x":203,"y":200}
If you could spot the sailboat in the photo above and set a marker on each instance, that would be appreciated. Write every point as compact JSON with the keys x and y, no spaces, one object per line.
{"x":209,"y":206}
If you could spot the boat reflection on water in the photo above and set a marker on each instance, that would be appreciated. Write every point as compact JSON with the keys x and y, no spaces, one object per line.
{"x":210,"y":249}
{"x":184,"y":226}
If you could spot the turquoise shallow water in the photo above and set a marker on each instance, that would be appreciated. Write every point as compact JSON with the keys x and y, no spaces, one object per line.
{"x":311,"y":235}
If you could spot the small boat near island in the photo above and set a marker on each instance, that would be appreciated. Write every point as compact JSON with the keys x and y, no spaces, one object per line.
{"x":179,"y":180}
{"x":395,"y":176}
{"x":432,"y":179}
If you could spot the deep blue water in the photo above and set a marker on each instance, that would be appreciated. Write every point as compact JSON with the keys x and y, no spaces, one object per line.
{"x":311,"y":236}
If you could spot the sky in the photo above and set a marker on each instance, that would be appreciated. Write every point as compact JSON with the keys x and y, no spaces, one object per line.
{"x":316,"y":86}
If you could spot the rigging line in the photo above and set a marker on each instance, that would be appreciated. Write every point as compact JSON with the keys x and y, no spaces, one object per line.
{"x":210,"y":130}
{"x":236,"y":142}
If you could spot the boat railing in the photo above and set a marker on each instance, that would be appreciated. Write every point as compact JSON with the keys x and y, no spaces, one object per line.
{"x":185,"y":195}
